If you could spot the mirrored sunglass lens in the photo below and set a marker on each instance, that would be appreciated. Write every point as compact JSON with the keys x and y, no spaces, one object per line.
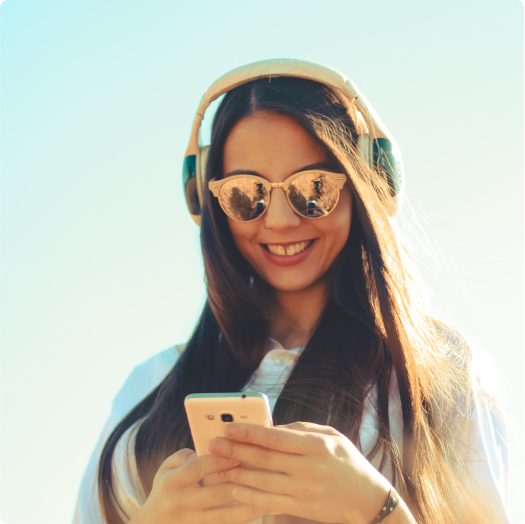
{"x":313,"y":195}
{"x":243,"y":199}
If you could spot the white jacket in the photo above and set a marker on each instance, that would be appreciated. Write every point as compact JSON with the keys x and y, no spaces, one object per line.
{"x":490,"y":468}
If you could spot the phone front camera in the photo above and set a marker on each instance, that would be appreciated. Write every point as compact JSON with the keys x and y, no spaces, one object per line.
{"x":226,"y":417}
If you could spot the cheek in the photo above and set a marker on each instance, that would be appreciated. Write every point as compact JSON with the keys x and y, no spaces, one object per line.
{"x":337,"y":225}
{"x":243,"y":234}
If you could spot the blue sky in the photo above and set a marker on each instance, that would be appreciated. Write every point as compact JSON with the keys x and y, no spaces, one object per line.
{"x":100,"y":260}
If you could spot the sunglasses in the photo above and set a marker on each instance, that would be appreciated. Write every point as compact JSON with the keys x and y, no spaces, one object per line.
{"x":311,"y":194}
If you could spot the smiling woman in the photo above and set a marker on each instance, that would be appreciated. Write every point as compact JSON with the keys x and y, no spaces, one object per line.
{"x":315,"y":301}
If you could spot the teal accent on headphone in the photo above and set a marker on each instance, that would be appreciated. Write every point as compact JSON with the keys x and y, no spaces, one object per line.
{"x":189,"y":184}
{"x":388,"y":158}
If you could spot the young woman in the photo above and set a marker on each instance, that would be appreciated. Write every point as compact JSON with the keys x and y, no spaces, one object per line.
{"x":313,"y":299}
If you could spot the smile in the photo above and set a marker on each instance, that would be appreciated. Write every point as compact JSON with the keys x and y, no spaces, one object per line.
{"x":288,"y":249}
{"x":280,"y":255}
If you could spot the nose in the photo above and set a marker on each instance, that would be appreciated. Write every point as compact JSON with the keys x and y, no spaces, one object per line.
{"x":280,"y":214}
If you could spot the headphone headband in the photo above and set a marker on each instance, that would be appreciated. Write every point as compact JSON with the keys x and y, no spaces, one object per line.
{"x":378,"y":146}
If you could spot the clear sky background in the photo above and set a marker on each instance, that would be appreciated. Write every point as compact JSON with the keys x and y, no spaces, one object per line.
{"x":100,"y":261}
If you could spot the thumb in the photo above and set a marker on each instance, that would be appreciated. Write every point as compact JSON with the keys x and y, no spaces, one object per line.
{"x":178,"y":459}
{"x":191,"y":456}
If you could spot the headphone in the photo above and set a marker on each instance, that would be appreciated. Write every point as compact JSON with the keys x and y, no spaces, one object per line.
{"x":376,"y":145}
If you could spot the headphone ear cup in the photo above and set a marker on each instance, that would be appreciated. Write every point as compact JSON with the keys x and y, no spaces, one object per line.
{"x":200,"y":168}
{"x":375,"y":156}
{"x":189,"y":187}
{"x":364,"y":145}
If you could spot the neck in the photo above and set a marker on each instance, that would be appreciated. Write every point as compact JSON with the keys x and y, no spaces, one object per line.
{"x":296,"y":314}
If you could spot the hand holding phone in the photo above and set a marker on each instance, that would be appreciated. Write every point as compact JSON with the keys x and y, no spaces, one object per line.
{"x":173,"y":497}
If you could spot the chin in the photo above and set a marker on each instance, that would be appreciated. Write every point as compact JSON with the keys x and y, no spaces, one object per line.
{"x":290,"y":284}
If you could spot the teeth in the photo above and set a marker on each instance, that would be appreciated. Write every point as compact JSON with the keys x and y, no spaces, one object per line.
{"x":290,"y":250}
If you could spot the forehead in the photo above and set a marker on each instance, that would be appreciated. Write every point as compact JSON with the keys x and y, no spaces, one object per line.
{"x":270,"y":144}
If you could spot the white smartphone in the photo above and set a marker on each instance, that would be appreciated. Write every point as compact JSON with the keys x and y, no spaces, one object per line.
{"x":209,"y":413}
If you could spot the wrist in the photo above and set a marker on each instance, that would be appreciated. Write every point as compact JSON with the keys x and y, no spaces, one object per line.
{"x":388,"y":508}
{"x":400,"y":515}
{"x":372,"y":500}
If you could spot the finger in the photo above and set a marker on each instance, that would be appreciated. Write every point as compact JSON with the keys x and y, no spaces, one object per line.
{"x":272,"y":502}
{"x":256,"y":455}
{"x":214,"y":478}
{"x":177,"y":459}
{"x":196,"y":469}
{"x":310,"y":427}
{"x":281,"y":439}
{"x":271,"y":482}
{"x":209,"y":496}
{"x":241,"y":514}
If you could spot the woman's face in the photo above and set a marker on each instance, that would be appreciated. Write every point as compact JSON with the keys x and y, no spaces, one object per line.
{"x":275,"y":147}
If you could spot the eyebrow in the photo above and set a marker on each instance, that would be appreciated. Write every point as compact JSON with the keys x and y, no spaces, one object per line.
{"x":319,"y":165}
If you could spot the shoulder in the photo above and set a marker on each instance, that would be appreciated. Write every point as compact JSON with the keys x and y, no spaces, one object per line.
{"x":144,"y":378}
{"x":141,"y":381}
{"x":454,"y":345}
{"x":469,"y":355}
{"x":126,"y":481}
{"x":479,"y":427}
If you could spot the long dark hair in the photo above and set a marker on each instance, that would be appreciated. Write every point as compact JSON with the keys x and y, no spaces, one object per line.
{"x":375,"y":322}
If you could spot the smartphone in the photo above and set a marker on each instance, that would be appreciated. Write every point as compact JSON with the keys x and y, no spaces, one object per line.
{"x":209,"y":413}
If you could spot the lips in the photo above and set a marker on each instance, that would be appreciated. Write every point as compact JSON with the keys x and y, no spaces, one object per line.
{"x":288,"y":260}
{"x":289,"y":248}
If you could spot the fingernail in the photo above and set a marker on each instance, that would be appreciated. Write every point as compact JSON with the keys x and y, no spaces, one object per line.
{"x":191,"y":456}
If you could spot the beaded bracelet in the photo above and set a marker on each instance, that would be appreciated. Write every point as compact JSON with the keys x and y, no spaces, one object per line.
{"x":391,"y":503}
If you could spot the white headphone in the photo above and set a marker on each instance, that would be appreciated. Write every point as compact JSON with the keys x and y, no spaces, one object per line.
{"x":377,"y":146}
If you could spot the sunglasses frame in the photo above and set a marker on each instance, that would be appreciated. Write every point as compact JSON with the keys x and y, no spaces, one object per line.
{"x":215,"y":187}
